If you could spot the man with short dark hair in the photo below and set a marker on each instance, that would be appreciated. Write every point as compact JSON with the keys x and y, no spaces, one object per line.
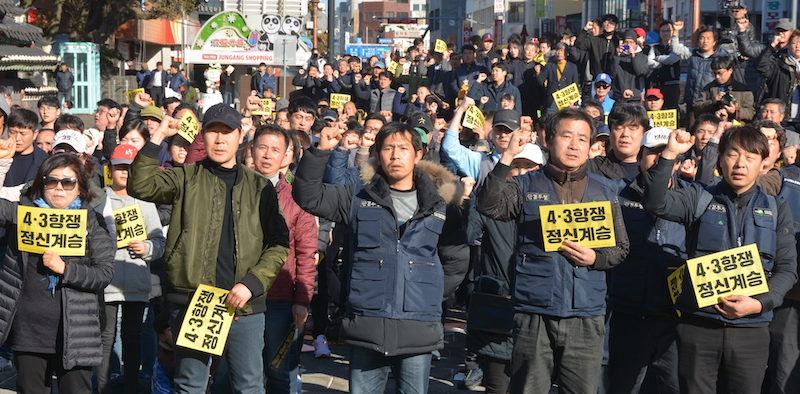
{"x":490,"y":94}
{"x":601,"y":48}
{"x":289,"y":297}
{"x":395,"y":278}
{"x":699,"y":73}
{"x":382,"y":98}
{"x":627,"y":124}
{"x":302,"y":114}
{"x":245,"y":244}
{"x":157,"y":83}
{"x":558,"y":297}
{"x":49,"y":111}
{"x":732,"y":335}
{"x":64,"y":82}
{"x":177,"y":82}
{"x":468,"y":72}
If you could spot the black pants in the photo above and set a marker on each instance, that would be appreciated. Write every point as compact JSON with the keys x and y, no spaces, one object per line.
{"x":496,"y":374}
{"x":35,"y":371}
{"x":709,"y":351}
{"x":131,"y":335}
{"x":641,"y":345}
{"x":784,"y":349}
{"x":157,"y":93}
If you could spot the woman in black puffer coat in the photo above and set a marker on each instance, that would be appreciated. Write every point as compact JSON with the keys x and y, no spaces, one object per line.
{"x":49,"y":308}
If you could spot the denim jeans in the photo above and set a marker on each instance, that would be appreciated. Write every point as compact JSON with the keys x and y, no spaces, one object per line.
{"x":279,"y":320}
{"x":369,"y":371}
{"x":242,"y":354}
{"x":227,"y":98}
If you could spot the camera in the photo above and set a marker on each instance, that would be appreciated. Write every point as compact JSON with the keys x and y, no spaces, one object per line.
{"x":727,"y":99}
{"x":626,"y":48}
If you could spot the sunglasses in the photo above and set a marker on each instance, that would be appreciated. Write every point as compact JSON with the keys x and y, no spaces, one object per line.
{"x":601,"y":86}
{"x":67,"y":183}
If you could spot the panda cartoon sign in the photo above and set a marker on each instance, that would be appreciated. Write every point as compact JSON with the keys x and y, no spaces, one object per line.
{"x":231,"y":38}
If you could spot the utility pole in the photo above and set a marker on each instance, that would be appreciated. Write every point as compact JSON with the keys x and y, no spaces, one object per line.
{"x":315,"y":3}
{"x":332,"y":30}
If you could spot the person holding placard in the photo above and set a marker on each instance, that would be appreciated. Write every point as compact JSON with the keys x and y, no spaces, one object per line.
{"x":733,"y":333}
{"x":556,"y":75}
{"x":50,"y":309}
{"x":130,"y":288}
{"x":642,"y":326}
{"x":558,"y":297}
{"x":218,"y":208}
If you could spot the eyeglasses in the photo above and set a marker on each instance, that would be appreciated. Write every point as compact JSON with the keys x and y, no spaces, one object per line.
{"x":602,"y":86}
{"x":67,"y":183}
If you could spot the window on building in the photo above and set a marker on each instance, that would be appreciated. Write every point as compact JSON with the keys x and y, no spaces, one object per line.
{"x":424,"y":7}
{"x":390,"y":14}
{"x":516,"y":12}
{"x":402,"y":14}
{"x":402,"y":1}
{"x":415,"y":7}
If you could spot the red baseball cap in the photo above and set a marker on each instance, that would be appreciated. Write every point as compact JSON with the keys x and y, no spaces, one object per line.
{"x":488,"y":37}
{"x":640,"y":32}
{"x":123,"y":154}
{"x":653,"y":92}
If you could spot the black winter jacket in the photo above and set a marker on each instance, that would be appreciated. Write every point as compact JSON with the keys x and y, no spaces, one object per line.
{"x":601,"y":51}
{"x":83,"y":278}
{"x":781,"y":76}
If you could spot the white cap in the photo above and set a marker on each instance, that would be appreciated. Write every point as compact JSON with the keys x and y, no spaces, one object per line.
{"x":531,"y":152}
{"x":73,"y":138}
{"x":656,"y":137}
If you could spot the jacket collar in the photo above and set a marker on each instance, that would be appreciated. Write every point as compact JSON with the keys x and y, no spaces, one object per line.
{"x":560,"y":176}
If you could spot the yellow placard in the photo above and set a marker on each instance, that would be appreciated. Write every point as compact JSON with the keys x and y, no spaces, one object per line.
{"x":207,"y":322}
{"x":589,"y":224}
{"x":107,"y":181}
{"x":675,"y":283}
{"x":189,"y":128}
{"x":567,"y":96}
{"x":61,"y":230}
{"x":736,"y":271}
{"x":440,"y":46}
{"x":266,"y":107}
{"x":338,"y":100}
{"x":130,"y":225}
{"x":667,"y":118}
{"x":473,"y":118}
{"x":393,"y":67}
{"x":131,"y":94}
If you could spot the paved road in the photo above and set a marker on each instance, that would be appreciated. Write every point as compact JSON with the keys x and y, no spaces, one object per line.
{"x":330,"y":375}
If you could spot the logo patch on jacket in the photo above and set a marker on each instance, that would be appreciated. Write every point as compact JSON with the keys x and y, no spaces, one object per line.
{"x":440,"y":215}
{"x":718,"y":208}
{"x":530,"y":196}
{"x":369,"y":204}
{"x":633,"y":204}
{"x":762,"y":212}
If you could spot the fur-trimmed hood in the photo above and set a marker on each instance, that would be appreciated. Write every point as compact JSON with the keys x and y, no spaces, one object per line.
{"x":448,"y":185}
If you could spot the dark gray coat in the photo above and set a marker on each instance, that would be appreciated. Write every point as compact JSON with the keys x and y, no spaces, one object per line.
{"x":83,"y":278}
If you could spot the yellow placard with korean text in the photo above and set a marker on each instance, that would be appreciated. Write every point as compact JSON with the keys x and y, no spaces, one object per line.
{"x":675,"y":283}
{"x":736,"y":271}
{"x":61,"y":230}
{"x":107,"y":181}
{"x":393,"y":67}
{"x":266,"y":107}
{"x":667,"y":118}
{"x":131,"y":94}
{"x":567,"y":96}
{"x":473,"y":118}
{"x":207,"y":322}
{"x":338,"y":100}
{"x":129,"y":224}
{"x":188,"y":126}
{"x":589,"y":224}
{"x":440,"y":46}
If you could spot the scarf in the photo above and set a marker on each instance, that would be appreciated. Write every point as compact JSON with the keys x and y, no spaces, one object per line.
{"x":51,"y":276}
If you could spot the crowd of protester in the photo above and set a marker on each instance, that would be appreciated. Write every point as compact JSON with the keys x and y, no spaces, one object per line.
{"x":363,"y":220}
